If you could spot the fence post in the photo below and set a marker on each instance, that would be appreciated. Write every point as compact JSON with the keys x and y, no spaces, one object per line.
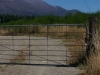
{"x":92,"y":35}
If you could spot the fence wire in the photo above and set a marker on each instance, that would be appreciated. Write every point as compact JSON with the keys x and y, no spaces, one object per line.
{"x":51,"y":44}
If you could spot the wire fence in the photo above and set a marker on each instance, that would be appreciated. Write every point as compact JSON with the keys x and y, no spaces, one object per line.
{"x":51,"y":44}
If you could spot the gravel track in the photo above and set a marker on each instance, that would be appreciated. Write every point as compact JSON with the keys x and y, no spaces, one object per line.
{"x":33,"y":69}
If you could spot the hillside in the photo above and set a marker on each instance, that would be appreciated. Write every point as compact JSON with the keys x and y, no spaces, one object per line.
{"x":31,"y":7}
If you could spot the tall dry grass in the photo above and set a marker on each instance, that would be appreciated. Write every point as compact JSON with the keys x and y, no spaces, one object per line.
{"x":93,"y":65}
{"x":77,"y":46}
{"x":93,"y":62}
{"x":4,"y":31}
{"x":74,"y":36}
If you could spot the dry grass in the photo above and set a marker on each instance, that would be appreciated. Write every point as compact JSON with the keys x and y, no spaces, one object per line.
{"x":63,"y":32}
{"x":19,"y":58}
{"x":73,"y":35}
{"x":77,"y":53}
{"x":93,"y":62}
{"x":77,"y":45}
{"x":4,"y":32}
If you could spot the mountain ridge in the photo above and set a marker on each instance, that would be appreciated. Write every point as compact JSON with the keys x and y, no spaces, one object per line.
{"x":31,"y":7}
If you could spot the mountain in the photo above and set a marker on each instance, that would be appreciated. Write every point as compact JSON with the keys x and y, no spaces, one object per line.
{"x":31,"y":7}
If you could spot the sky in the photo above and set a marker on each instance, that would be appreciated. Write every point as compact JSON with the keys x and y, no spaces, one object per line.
{"x":81,"y":5}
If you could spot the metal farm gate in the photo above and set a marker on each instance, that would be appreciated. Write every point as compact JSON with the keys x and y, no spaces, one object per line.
{"x":48,"y":44}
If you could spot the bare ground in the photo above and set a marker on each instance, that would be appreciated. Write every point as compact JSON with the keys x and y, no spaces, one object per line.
{"x":33,"y":69}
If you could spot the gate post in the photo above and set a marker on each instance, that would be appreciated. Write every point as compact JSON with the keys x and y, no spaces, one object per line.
{"x":92,"y":35}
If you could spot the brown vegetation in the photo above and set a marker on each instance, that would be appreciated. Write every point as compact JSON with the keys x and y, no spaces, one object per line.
{"x":19,"y":58}
{"x":74,"y":36}
{"x":93,"y":62}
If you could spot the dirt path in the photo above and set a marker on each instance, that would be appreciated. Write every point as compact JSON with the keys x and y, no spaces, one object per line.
{"x":50,"y":47}
{"x":38,"y":70}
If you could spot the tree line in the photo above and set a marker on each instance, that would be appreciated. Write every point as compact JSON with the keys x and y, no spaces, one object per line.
{"x":79,"y":17}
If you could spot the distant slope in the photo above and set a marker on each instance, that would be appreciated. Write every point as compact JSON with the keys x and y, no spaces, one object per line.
{"x":31,"y":7}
